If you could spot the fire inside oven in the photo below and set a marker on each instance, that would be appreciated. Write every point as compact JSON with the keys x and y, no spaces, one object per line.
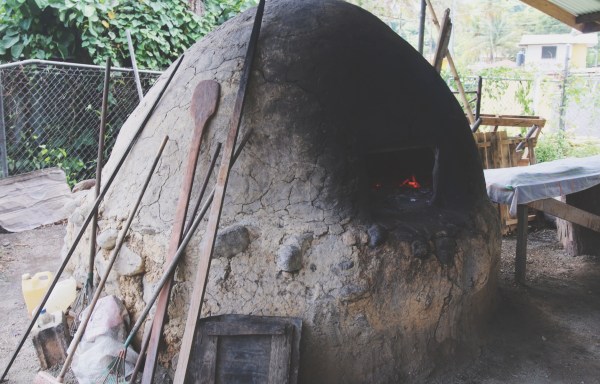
{"x":401,"y":179}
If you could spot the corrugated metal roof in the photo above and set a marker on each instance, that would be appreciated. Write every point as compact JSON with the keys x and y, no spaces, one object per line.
{"x":583,"y":15}
{"x":578,"y":7}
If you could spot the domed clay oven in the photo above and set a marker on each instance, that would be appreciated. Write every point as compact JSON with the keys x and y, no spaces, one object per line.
{"x":358,"y":204}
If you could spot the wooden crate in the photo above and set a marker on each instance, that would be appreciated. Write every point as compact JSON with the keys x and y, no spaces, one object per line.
{"x":235,"y":349}
{"x":499,"y":150}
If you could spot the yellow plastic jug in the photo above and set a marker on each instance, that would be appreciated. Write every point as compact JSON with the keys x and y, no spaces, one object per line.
{"x":62,"y":296}
{"x":34,"y":288}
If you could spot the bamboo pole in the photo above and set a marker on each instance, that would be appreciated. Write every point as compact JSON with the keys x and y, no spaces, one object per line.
{"x":459,"y":85}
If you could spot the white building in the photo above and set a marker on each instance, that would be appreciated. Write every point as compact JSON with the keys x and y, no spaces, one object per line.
{"x":550,"y":51}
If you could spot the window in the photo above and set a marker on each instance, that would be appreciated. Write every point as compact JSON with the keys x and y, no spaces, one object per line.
{"x":549,"y":52}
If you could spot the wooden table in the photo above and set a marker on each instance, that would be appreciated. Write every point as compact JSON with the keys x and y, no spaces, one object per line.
{"x":535,"y":186}
{"x":552,"y":207}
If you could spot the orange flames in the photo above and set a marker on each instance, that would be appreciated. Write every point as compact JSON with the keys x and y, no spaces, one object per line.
{"x":411,"y":182}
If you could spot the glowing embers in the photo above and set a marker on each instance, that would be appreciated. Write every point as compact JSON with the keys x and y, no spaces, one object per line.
{"x":401,"y":179}
{"x":411,"y":182}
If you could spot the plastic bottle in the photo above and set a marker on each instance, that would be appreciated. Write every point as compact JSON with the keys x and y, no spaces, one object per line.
{"x":62,"y":296}
{"x":34,"y":288}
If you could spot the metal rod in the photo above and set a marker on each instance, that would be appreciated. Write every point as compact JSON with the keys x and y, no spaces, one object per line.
{"x":88,"y":219}
{"x":479,"y":94}
{"x":476,"y":125}
{"x":74,"y":65}
{"x":103,"y":114}
{"x":211,"y":167}
{"x":136,"y":74}
{"x":111,"y":262}
{"x":527,"y":138}
{"x":422,"y":15}
{"x":241,"y":146}
{"x":3,"y":153}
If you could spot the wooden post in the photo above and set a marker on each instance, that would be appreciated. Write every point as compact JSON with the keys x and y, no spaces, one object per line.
{"x":138,"y":83}
{"x":521,"y":256}
{"x":422,"y":25}
{"x":443,"y":41}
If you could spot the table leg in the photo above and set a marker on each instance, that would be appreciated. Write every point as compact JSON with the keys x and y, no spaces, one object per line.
{"x":521,"y":256}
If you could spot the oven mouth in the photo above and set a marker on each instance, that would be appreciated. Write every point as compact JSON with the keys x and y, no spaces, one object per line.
{"x":401,"y":180}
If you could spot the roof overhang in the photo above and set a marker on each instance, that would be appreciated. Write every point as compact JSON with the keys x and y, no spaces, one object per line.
{"x":583,"y":15}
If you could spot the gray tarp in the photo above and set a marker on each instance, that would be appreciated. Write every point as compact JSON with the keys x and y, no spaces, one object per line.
{"x":522,"y":185}
{"x":34,"y":199}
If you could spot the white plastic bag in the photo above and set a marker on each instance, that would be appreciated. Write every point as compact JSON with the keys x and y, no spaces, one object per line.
{"x":102,"y":341}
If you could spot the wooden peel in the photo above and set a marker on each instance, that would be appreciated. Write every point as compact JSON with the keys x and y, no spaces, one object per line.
{"x":203,"y":107}
{"x":215,"y":214}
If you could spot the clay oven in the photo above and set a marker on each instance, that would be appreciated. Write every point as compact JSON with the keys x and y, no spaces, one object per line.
{"x":358,"y":203}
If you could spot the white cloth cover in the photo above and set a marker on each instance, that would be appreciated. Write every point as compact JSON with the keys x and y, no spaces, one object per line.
{"x":522,"y":185}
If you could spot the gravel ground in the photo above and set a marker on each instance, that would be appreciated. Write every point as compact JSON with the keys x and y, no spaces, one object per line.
{"x":544,"y":332}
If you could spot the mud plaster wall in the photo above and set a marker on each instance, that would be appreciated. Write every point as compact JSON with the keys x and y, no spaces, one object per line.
{"x":295,"y":240}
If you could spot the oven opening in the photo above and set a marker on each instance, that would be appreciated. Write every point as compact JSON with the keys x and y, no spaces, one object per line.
{"x":400,"y":180}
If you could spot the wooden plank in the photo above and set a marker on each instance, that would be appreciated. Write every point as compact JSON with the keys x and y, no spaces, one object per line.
{"x":209,"y":361}
{"x":556,"y":12}
{"x":495,"y":151}
{"x":505,"y":121}
{"x":578,"y":240}
{"x":210,"y":233}
{"x":252,"y":357}
{"x":443,"y":41}
{"x":238,"y":329}
{"x":521,"y":255}
{"x":568,"y":212}
{"x":279,"y":362}
{"x":592,"y":17}
{"x":204,"y":105}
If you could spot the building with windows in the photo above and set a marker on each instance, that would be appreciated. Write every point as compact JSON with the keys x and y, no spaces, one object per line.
{"x":551,"y":51}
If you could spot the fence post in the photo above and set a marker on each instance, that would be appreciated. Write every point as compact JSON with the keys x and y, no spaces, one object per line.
{"x":3,"y":154}
{"x":479,"y":94}
{"x":562,"y":113}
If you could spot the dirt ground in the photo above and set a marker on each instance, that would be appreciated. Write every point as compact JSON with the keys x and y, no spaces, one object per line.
{"x":545,"y":332}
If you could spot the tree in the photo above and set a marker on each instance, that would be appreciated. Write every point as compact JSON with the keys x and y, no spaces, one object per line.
{"x":91,"y":30}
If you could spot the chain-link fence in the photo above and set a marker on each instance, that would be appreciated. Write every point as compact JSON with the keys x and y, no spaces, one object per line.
{"x":50,"y":115}
{"x":571,"y":104}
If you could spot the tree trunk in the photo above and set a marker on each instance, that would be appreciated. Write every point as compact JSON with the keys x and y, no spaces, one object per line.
{"x":196,"y":6}
{"x":576,"y":239}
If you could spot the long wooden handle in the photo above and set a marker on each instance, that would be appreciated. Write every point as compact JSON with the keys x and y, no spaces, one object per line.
{"x":217,"y":206}
{"x":204,"y":106}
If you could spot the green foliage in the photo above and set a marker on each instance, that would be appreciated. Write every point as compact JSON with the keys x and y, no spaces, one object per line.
{"x":27,"y":29}
{"x":92,"y":30}
{"x":45,"y":156}
{"x":551,"y":146}
{"x":555,"y":146}
{"x":216,"y":12}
